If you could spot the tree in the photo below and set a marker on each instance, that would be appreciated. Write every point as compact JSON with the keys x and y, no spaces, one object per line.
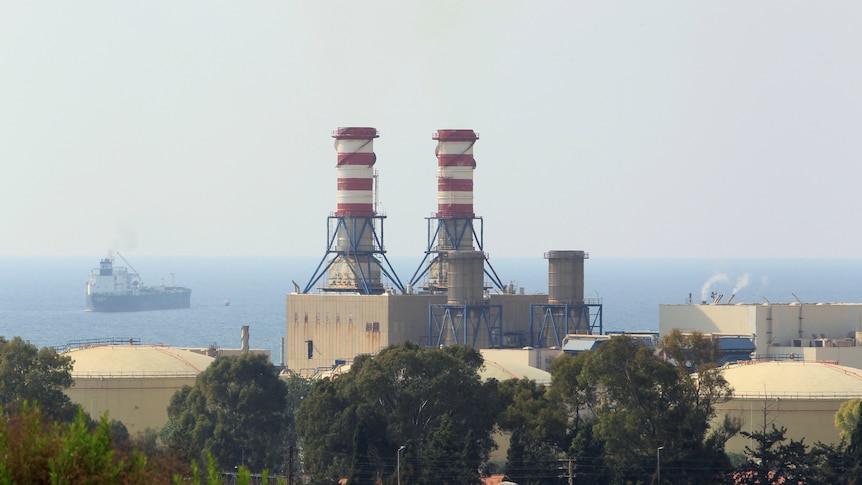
{"x":538,"y":428}
{"x":645,"y":403}
{"x":847,"y":418}
{"x":689,"y":350}
{"x":297,"y":390}
{"x":234,"y":412}
{"x":833,"y":464}
{"x":28,"y":374}
{"x":571,"y":390}
{"x":35,"y":449}
{"x":431,"y":401}
{"x":771,"y":461}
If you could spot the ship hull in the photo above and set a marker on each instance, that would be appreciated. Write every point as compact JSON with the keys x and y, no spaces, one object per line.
{"x":170,"y":299}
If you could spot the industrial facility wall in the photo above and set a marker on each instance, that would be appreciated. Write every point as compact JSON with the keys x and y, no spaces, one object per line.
{"x":774,"y":325}
{"x":845,"y":356}
{"x":324,"y":330}
{"x":138,"y":402}
{"x":707,"y":318}
{"x":812,"y":419}
{"x":536,"y":358}
{"x":516,"y":311}
{"x":809,"y":321}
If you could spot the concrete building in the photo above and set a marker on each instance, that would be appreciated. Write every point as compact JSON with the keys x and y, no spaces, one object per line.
{"x":798,"y":331}
{"x":324,"y":330}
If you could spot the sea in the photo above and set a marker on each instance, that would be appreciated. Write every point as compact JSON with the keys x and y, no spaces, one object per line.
{"x":42,"y":298}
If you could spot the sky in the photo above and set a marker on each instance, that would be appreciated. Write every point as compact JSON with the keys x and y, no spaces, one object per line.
{"x":708,"y":129}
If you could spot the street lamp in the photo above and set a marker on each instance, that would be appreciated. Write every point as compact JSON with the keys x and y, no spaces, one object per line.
{"x":658,"y":464}
{"x":398,"y":455}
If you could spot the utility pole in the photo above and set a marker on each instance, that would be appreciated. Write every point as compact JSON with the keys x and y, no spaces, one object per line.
{"x":658,"y":464}
{"x":570,"y":470}
{"x":290,"y":464}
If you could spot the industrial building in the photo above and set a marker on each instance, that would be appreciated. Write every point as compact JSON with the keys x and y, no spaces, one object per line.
{"x":355,"y":303}
{"x":806,"y":361}
{"x":786,"y":331}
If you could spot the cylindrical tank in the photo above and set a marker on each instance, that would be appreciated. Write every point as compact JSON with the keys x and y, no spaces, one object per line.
{"x":455,"y":165}
{"x":566,"y":277}
{"x":355,"y":147}
{"x":466,"y":277}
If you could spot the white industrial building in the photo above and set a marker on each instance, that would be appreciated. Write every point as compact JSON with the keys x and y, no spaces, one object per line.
{"x":801,"y":331}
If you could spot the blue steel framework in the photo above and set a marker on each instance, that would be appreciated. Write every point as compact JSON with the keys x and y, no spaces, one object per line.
{"x":563,"y":319}
{"x":356,"y":228}
{"x":464,"y":323}
{"x":454,"y":230}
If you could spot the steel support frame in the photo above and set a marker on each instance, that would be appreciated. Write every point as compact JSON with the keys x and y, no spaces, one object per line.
{"x":465,"y":322}
{"x":355,"y":229}
{"x":563,"y":319}
{"x":448,"y":227}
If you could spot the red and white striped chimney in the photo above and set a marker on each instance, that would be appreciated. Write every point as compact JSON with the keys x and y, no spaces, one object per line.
{"x":355,"y":147}
{"x":455,"y":165}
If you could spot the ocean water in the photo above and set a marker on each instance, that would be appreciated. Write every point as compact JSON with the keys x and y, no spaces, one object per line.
{"x":42,"y":299}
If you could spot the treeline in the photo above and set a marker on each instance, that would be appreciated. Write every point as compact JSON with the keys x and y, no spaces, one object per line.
{"x":617,"y":415}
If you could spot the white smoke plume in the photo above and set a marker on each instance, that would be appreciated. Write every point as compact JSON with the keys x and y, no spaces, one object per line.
{"x":712,"y":280}
{"x":741,"y":283}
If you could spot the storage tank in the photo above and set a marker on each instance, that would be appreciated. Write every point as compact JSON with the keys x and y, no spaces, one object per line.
{"x":566,"y":277}
{"x":466,"y":278}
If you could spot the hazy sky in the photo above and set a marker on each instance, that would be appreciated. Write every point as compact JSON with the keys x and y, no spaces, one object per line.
{"x":697,"y":129}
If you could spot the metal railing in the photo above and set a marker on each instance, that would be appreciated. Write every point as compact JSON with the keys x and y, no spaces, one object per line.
{"x":82,"y":343}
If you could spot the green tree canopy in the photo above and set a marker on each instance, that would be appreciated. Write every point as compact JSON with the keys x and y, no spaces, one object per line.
{"x":772,"y":461}
{"x":431,"y":401}
{"x":28,"y":374}
{"x":689,"y":350}
{"x":645,"y":403}
{"x":847,"y":418}
{"x":234,"y":412}
{"x":36,"y":449}
{"x":538,"y":426}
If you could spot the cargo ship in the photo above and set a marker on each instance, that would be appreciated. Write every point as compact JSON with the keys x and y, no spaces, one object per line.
{"x":120,"y":289}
